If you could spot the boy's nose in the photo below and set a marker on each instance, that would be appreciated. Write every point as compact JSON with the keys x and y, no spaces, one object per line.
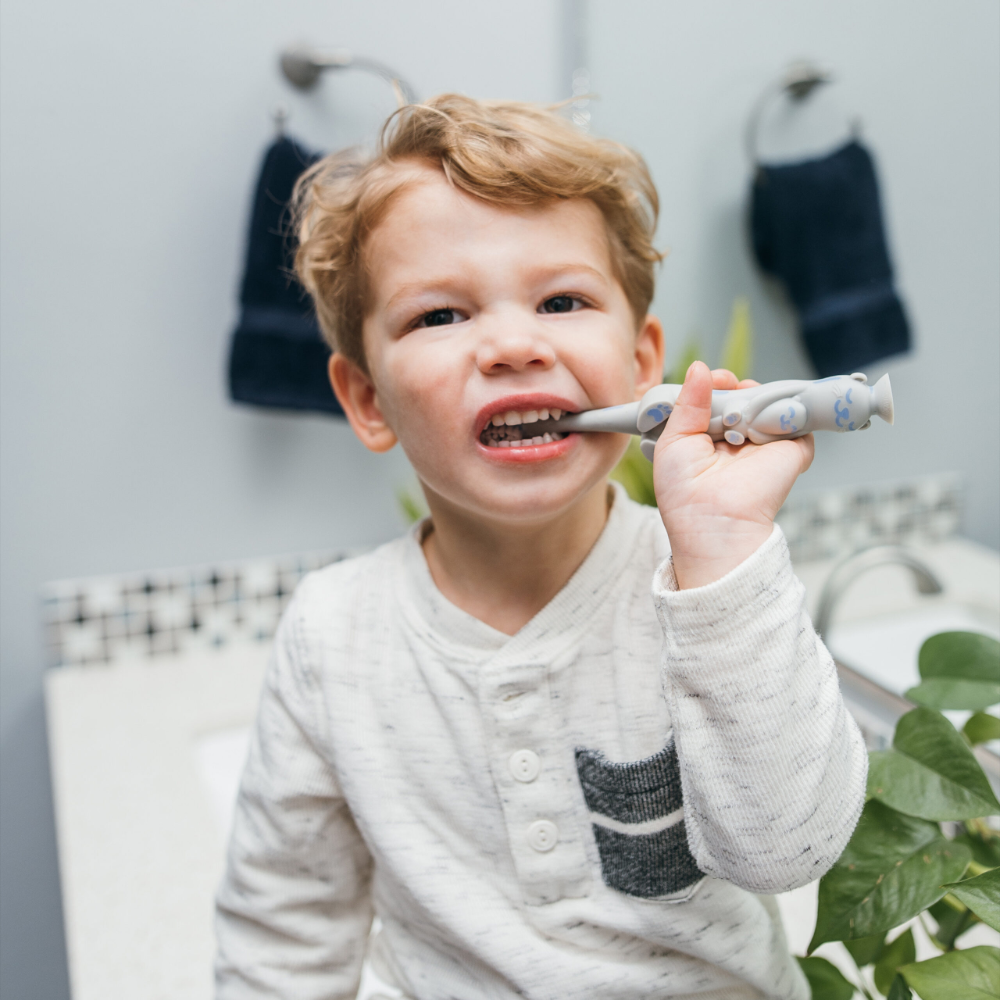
{"x":514,"y":349}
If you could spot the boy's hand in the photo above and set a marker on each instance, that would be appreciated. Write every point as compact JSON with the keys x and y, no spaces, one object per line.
{"x":717,"y":501}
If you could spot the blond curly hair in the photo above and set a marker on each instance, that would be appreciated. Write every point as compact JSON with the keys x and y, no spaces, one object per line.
{"x":507,"y":153}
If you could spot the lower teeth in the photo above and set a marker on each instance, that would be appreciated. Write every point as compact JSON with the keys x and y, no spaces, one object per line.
{"x":524,"y":442}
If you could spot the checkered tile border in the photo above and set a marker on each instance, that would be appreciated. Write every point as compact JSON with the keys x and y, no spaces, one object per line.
{"x":835,"y":523}
{"x":106,"y":619}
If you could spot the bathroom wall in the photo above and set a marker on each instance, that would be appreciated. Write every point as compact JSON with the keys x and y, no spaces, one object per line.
{"x":130,"y":137}
{"x":677,"y":79}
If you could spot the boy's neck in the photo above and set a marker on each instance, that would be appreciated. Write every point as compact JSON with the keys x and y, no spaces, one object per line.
{"x":503,"y":573}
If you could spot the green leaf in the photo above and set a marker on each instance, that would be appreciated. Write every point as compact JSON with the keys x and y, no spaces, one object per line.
{"x":892,"y":869}
{"x":900,"y":951}
{"x":970,"y":974}
{"x":688,"y":356}
{"x":981,"y":895}
{"x":825,"y":980}
{"x":865,"y":950}
{"x":953,"y":920}
{"x":981,"y":727}
{"x":899,"y":990}
{"x":946,"y":694}
{"x":960,"y":670}
{"x":635,"y":473}
{"x":930,"y":771}
{"x":414,"y":507}
{"x":737,"y":349}
{"x":985,"y":849}
{"x":969,"y":655}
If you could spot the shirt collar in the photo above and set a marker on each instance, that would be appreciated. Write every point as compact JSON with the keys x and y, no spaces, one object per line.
{"x":564,"y":615}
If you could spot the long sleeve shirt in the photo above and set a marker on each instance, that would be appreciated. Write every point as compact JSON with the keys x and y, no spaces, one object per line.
{"x":598,"y":806}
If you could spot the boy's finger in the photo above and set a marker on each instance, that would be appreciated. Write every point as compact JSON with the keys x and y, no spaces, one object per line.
{"x":808,"y":446}
{"x":723,"y":378}
{"x":693,"y":409}
{"x":747,"y":383}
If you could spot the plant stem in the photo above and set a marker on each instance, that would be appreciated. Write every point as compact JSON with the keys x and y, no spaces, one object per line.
{"x":961,"y":928}
{"x":860,"y":977}
{"x":934,"y":941}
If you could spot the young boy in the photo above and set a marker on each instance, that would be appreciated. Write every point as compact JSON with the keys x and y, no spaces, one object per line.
{"x":546,"y":781}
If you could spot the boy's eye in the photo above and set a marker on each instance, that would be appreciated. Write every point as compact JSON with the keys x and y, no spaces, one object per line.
{"x":561,"y":304}
{"x":440,"y":317}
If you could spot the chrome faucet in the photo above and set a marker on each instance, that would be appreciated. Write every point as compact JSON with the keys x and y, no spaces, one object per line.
{"x":847,"y":571}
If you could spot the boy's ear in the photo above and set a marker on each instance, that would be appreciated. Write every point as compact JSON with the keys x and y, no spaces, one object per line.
{"x":356,"y":393}
{"x":649,"y":354}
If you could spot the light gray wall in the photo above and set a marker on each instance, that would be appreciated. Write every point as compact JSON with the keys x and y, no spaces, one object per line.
{"x":131,"y":137}
{"x":677,"y":79}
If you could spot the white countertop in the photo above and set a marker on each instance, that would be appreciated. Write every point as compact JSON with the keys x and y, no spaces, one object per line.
{"x":145,"y":757}
{"x":140,"y":845}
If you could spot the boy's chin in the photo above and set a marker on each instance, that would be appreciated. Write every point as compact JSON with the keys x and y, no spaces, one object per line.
{"x":531,"y":500}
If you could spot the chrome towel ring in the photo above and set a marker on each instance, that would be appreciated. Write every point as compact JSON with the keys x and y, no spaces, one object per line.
{"x":303,"y":66}
{"x":798,"y":82}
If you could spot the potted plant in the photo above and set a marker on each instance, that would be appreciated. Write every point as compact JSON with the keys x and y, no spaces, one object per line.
{"x":923,"y":848}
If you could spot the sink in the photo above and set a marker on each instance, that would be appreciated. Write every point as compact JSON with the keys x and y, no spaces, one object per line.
{"x":877,"y":661}
{"x":880,"y":621}
{"x":885,"y":648}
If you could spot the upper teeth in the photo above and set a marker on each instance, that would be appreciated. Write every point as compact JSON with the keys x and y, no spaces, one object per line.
{"x":513,"y":417}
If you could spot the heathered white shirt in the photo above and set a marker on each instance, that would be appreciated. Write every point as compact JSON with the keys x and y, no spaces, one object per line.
{"x":596,"y":807}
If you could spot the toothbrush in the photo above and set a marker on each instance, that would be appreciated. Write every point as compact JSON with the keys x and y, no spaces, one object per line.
{"x":774,"y":411}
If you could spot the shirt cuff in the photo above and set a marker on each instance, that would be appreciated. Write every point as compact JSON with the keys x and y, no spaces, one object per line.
{"x":744,"y":593}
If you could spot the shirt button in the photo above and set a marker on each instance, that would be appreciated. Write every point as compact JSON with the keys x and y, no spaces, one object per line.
{"x":525,"y":765}
{"x":542,"y":835}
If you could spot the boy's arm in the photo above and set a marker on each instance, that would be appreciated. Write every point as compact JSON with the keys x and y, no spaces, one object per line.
{"x":293,"y":911}
{"x":773,"y":767}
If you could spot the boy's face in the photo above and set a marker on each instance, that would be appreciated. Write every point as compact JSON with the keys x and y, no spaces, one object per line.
{"x":475,"y":311}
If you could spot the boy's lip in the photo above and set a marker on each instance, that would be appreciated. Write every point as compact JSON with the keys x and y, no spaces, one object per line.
{"x":521,"y":402}
{"x":530,"y":454}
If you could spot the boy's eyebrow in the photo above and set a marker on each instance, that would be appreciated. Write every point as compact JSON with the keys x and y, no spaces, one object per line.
{"x":577,"y":267}
{"x":445,"y":284}
{"x":414,"y":288}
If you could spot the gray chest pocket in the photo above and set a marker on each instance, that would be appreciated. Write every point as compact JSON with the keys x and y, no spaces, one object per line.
{"x":637,"y":812}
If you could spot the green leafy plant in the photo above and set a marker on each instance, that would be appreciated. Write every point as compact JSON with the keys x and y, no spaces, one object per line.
{"x":902,"y":863}
{"x":634,"y":472}
{"x":737,"y":348}
{"x":412,"y":504}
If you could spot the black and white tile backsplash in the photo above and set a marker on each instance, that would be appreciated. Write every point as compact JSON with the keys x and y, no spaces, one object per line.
{"x":107,"y":619}
{"x":835,"y":523}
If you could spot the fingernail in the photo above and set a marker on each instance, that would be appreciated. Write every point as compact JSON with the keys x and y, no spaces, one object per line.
{"x":690,"y":369}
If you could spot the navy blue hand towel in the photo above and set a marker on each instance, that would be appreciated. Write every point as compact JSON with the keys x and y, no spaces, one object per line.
{"x":817,"y":226}
{"x":278,"y":358}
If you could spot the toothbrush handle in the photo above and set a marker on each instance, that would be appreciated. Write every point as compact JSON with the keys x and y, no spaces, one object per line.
{"x":761,"y":413}
{"x":610,"y":419}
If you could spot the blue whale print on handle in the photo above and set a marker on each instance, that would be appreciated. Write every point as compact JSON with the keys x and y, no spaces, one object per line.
{"x":841,"y":414}
{"x":786,"y":422}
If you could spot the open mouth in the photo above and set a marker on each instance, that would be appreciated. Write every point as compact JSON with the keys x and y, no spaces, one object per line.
{"x":521,"y":428}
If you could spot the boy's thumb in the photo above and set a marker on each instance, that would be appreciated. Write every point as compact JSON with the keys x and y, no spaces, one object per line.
{"x":693,"y":409}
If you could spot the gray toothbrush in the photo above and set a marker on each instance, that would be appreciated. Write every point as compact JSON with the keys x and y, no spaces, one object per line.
{"x":761,"y":413}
